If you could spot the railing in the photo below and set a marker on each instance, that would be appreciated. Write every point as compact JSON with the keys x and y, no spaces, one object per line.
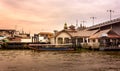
{"x":50,"y":45}
{"x":105,"y":23}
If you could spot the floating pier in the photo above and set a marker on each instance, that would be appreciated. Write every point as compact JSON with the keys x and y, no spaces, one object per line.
{"x":36,"y":46}
{"x":60,"y":47}
{"x":15,"y":45}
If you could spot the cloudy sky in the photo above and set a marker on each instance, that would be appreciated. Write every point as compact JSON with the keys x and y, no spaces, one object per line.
{"x":48,"y":15}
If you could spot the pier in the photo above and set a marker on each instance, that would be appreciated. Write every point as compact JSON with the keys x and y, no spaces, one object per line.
{"x":15,"y":45}
{"x":35,"y":46}
{"x":61,"y":47}
{"x":40,"y":46}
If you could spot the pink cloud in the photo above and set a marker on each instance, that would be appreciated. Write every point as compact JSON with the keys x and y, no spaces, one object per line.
{"x":47,"y":15}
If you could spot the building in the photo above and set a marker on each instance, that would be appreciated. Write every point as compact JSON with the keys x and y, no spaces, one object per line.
{"x":7,"y":32}
{"x":105,"y":34}
{"x":47,"y":35}
{"x":108,"y":34}
{"x":68,"y":34}
{"x":21,"y":37}
{"x":43,"y":37}
{"x":13,"y":35}
{"x":65,"y":36}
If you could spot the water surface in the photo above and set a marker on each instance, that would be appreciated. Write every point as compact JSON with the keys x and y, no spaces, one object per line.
{"x":28,"y":60}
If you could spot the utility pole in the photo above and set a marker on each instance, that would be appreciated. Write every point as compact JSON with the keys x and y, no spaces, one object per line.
{"x":76,"y":23}
{"x":83,"y":22}
{"x":93,"y":19}
{"x":110,"y":11}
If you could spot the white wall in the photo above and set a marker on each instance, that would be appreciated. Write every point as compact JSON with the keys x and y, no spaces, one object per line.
{"x":26,"y":40}
{"x":2,"y":37}
{"x":95,"y":44}
{"x":52,"y":40}
{"x":62,"y":35}
{"x":42,"y":39}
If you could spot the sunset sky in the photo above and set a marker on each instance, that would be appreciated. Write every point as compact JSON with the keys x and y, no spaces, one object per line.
{"x":47,"y":15}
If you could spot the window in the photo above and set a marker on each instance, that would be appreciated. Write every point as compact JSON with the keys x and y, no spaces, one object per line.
{"x":93,"y":40}
{"x":66,"y":40}
{"x":80,"y":40}
{"x":60,"y":40}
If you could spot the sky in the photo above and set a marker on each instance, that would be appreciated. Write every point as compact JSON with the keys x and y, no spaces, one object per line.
{"x":36,"y":16}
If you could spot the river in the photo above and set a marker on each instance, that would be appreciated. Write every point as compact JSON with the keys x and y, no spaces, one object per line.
{"x":29,"y":60}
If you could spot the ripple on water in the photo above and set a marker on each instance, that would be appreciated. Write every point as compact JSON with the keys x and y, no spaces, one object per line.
{"x":27,"y":60}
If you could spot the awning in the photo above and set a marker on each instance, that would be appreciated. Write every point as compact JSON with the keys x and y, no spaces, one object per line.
{"x":104,"y":33}
{"x":113,"y":36}
{"x":100,"y":34}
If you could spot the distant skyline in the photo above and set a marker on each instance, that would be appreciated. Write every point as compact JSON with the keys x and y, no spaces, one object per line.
{"x":47,"y":15}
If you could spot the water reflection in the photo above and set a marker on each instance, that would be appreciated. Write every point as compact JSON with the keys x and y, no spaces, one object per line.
{"x":28,"y":60}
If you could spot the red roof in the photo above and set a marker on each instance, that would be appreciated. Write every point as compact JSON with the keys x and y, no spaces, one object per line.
{"x":107,"y":32}
{"x":113,"y":36}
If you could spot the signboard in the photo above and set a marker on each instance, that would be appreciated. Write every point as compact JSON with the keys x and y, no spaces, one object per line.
{"x":104,"y":35}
